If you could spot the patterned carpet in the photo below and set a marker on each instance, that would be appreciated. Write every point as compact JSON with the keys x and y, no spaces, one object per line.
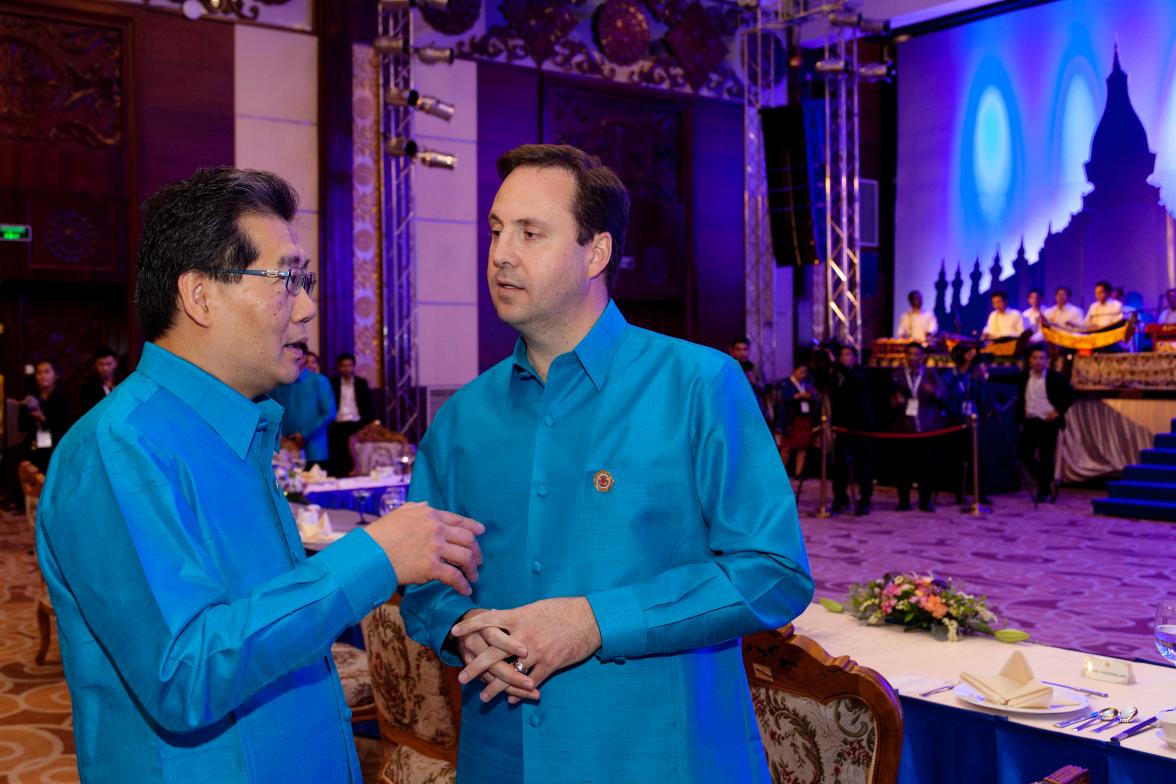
{"x":1069,"y":578}
{"x":1066,"y":576}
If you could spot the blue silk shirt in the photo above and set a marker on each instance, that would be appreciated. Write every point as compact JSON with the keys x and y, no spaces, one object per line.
{"x":310,"y":406}
{"x":643,"y":476}
{"x":195,"y":633}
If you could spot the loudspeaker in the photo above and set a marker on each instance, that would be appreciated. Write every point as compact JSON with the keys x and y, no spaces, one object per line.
{"x":790,"y":203}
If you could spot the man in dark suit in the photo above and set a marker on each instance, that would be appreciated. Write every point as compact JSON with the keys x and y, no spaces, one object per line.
{"x":851,"y":408}
{"x":918,"y":399}
{"x":95,"y":389}
{"x":353,"y":406}
{"x":1044,"y":397}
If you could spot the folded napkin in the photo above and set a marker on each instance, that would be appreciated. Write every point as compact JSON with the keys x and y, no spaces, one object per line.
{"x":1014,"y":686}
{"x":315,"y":474}
{"x":314,"y":523}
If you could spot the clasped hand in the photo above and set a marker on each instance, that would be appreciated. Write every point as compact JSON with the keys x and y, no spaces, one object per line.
{"x":545,"y":637}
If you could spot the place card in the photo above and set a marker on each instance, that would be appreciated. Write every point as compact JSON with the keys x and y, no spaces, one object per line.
{"x":1103,"y":668}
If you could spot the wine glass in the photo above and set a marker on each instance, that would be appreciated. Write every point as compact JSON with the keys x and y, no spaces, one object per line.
{"x":1166,"y":629}
{"x":361,"y":496}
{"x":391,"y":500}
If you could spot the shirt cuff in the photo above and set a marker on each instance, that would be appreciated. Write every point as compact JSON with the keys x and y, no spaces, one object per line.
{"x":362,"y":569}
{"x":621,"y":622}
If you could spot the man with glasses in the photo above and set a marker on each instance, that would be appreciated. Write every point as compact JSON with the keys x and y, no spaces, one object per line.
{"x":195,"y":634}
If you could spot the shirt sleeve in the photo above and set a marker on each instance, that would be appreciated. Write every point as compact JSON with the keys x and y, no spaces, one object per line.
{"x":932,"y":324}
{"x":124,"y":545}
{"x":759,"y":575}
{"x":903,"y":327}
{"x":430,"y":610}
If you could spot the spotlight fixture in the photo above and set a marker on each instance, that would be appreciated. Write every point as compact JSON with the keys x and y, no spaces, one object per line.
{"x":831,"y":65}
{"x":408,"y":148}
{"x":400,"y":5}
{"x":422,"y":103}
{"x":432,"y":55}
{"x":845,"y":19}
{"x":874,"y":26}
{"x":398,"y":47}
{"x":875,"y":72}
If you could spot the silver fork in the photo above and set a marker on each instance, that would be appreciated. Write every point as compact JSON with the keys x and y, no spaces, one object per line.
{"x":1069,"y":722}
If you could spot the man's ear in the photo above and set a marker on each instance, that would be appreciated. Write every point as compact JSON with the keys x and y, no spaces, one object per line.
{"x":194,"y":290}
{"x":602,"y":247}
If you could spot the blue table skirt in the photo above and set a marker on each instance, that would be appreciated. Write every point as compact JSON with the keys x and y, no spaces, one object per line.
{"x":946,"y":744}
{"x":346,"y":499}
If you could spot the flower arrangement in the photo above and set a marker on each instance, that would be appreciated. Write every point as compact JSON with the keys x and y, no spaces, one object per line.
{"x":922,"y":601}
{"x":288,"y":477}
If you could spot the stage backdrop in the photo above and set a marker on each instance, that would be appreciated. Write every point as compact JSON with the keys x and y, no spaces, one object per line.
{"x":1011,"y":154}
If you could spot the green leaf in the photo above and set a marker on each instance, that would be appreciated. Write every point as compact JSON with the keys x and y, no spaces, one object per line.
{"x":831,"y":606}
{"x":1011,"y":635}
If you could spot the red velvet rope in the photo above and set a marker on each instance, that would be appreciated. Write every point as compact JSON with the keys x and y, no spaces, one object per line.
{"x":928,"y":434}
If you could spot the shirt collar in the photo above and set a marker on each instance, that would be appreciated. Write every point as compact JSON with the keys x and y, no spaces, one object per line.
{"x":234,"y":417}
{"x":596,"y":350}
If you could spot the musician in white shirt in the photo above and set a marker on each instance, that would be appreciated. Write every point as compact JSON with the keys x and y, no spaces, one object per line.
{"x":1003,"y":321}
{"x":1064,"y":314}
{"x":1168,"y":314}
{"x":1033,"y":316}
{"x":915,"y":324}
{"x":1105,"y":311}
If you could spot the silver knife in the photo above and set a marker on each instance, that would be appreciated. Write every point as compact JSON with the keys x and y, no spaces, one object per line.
{"x":1125,"y":734}
{"x":1091,"y":692}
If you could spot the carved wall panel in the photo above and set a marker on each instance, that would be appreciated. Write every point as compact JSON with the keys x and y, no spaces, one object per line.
{"x":61,"y":82}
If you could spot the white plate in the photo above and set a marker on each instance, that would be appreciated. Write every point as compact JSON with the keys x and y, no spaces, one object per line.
{"x":1080,"y":701}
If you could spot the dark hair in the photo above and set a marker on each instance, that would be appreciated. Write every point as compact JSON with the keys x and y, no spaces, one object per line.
{"x":343,"y":356}
{"x":1035,"y":291}
{"x":194,"y":224}
{"x":1001,"y":294}
{"x":735,"y":341}
{"x":1065,"y":289}
{"x":847,"y":347}
{"x":911,"y":296}
{"x":1105,"y":284}
{"x":312,"y":354}
{"x":1034,"y":349}
{"x":914,"y":344}
{"x":45,"y":361}
{"x":104,"y":352}
{"x":600,"y":204}
{"x":959,"y":350}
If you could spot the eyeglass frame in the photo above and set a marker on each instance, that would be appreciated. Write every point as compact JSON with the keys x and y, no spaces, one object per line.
{"x":292,"y":277}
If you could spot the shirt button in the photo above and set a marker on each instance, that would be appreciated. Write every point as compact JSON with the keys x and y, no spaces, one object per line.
{"x":549,"y":420}
{"x":535,"y":720}
{"x":536,"y":567}
{"x":542,"y":491}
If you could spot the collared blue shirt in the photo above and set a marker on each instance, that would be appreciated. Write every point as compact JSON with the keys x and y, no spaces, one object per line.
{"x":194,"y":632}
{"x":310,"y":406}
{"x":643,"y":476}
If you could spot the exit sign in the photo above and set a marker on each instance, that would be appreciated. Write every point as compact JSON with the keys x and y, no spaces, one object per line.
{"x":10,"y":232}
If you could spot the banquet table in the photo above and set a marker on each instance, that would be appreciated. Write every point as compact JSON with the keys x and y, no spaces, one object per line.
{"x":343,"y":493}
{"x":949,"y":740}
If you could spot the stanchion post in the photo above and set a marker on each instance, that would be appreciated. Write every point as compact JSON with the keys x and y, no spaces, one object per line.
{"x":823,"y":510}
{"x":974,"y":426}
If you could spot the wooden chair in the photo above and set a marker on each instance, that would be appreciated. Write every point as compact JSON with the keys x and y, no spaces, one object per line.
{"x":32,"y":481}
{"x":818,"y":714}
{"x":1071,"y":774}
{"x":418,"y":702}
{"x":375,"y":446}
{"x":352,"y":666}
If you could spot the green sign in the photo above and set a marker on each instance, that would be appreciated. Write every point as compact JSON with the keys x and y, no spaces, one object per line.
{"x":10,"y":232}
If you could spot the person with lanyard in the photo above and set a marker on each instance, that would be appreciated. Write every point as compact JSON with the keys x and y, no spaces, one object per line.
{"x":918,"y":400}
{"x":1044,"y":397}
{"x":966,"y":395}
{"x":851,"y":408}
{"x":795,"y":414}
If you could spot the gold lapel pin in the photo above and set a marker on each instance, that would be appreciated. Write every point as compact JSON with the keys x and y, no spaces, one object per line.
{"x":603,"y":481}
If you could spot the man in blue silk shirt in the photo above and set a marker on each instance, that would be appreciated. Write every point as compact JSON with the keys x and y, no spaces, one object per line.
{"x":310,"y":407}
{"x":194,"y":632}
{"x":638,"y":519}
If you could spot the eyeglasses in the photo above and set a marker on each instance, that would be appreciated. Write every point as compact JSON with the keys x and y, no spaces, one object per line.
{"x":295,"y":279}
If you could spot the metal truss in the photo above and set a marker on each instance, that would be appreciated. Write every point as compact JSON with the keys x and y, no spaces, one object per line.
{"x":843,"y":290}
{"x":403,"y":399}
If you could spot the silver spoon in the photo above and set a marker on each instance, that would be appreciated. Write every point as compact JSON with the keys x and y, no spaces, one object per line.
{"x":1128,"y":715}
{"x":1106,"y":714}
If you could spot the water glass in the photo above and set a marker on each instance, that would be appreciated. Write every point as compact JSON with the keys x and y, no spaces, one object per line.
{"x":1166,"y":629}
